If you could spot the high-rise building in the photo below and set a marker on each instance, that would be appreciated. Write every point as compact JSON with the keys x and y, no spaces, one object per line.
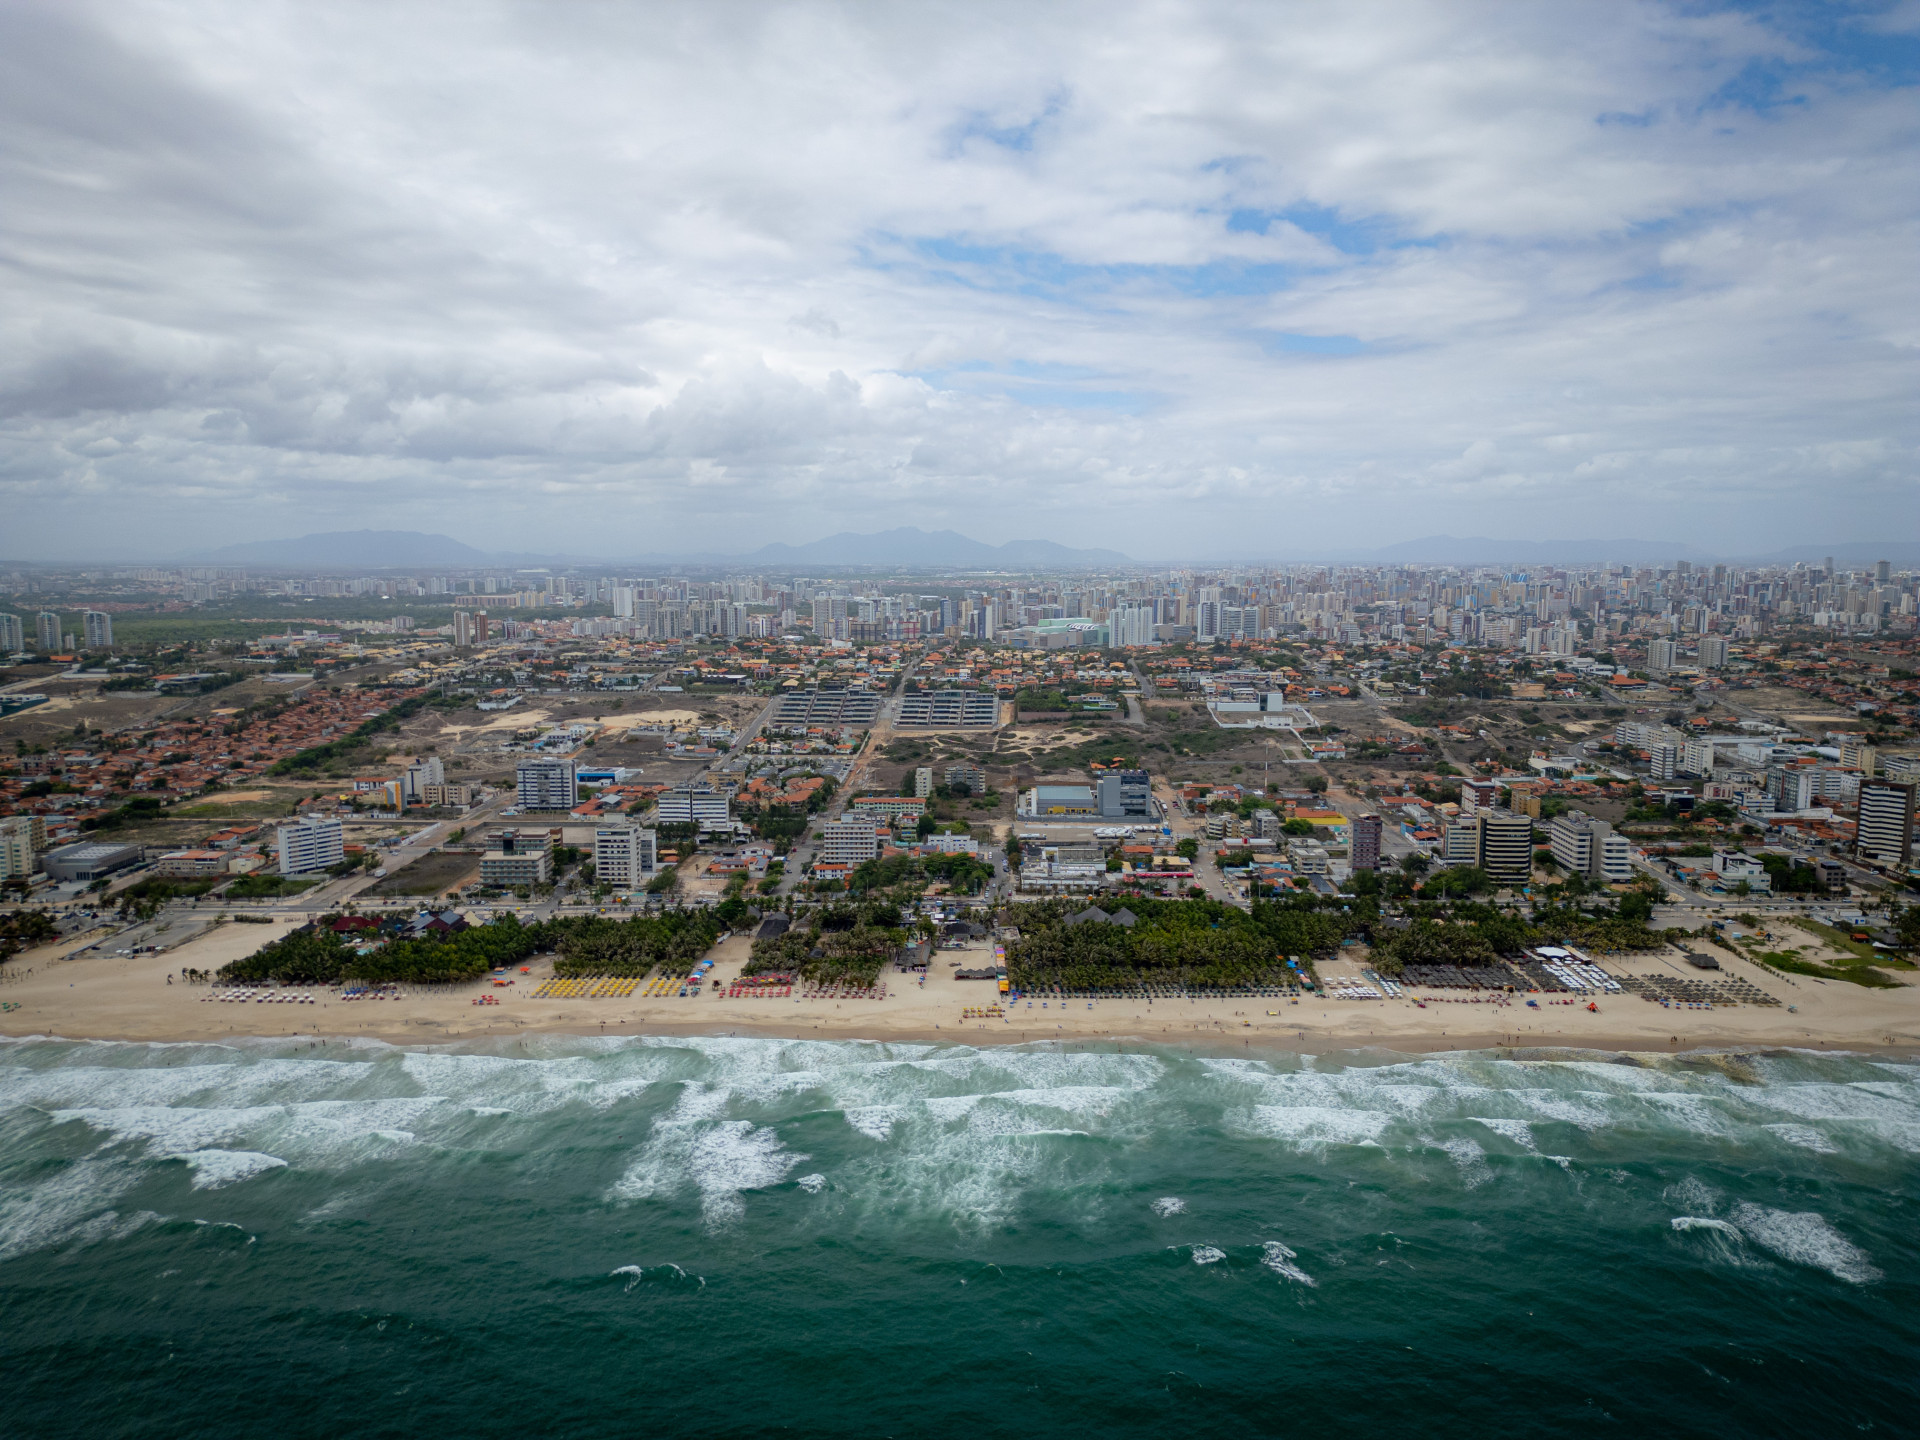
{"x":1584,"y":845}
{"x":1696,"y":758}
{"x":971,"y":777}
{"x":692,"y":805}
{"x":16,"y":846}
{"x":1661,"y":654}
{"x":1664,"y":757}
{"x":1713,"y":652}
{"x":463,"y":631}
{"x":1858,"y":755}
{"x":424,"y":772}
{"x":1366,"y":841}
{"x":311,"y":843}
{"x":48,"y":625}
{"x":1477,"y":795}
{"x":99,"y":628}
{"x":546,"y":783}
{"x":624,"y":855}
{"x":1506,"y":847}
{"x":849,"y":840}
{"x":1460,"y":841}
{"x":1793,"y":788}
{"x":1882,"y":572}
{"x":923,"y":782}
{"x":1885,"y":830}
{"x":13,"y":633}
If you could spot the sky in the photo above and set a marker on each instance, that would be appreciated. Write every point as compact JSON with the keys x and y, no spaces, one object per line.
{"x":1182,"y":280}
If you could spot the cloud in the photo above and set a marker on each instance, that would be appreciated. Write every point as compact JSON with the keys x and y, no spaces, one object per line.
{"x":1165,"y":278}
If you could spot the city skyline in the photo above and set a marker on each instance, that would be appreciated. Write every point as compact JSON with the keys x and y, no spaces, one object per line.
{"x":706,"y":282}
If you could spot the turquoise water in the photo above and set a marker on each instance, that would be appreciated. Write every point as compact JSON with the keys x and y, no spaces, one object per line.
{"x":741,"y":1236}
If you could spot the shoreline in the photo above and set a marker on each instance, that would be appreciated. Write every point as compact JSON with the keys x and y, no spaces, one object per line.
{"x":60,"y":994}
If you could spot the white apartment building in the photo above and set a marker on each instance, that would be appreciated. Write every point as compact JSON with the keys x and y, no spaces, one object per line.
{"x":693,"y":805}
{"x":309,"y":844}
{"x":1589,"y":847}
{"x":16,"y":846}
{"x":625,"y":856}
{"x":418,"y":776}
{"x":546,"y":783}
{"x":99,"y":628}
{"x":850,"y":840}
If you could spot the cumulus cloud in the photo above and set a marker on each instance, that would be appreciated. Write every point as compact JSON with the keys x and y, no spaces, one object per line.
{"x":1177,"y":279}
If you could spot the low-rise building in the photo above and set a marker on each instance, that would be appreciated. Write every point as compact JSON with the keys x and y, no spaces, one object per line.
{"x":191,"y":864}
{"x":90,"y":861}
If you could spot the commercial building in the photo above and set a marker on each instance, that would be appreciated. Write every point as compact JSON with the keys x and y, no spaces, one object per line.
{"x":1506,"y":847}
{"x":1477,"y":795}
{"x":1885,"y":831}
{"x":1118,"y":795}
{"x":1585,"y":846}
{"x":1737,"y":867}
{"x":192,"y":864}
{"x":546,"y":783}
{"x":625,"y":856}
{"x":1366,"y":842}
{"x":518,"y":858}
{"x":1794,"y":788}
{"x":1460,"y":841}
{"x":692,"y":805}
{"x":849,"y":840}
{"x":310,"y":843}
{"x":90,"y":861}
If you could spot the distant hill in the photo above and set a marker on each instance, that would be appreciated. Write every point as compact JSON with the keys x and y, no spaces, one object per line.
{"x":910,"y":546}
{"x":357,"y":548}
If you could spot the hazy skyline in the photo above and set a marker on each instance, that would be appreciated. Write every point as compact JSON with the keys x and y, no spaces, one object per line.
{"x":1168,"y":279}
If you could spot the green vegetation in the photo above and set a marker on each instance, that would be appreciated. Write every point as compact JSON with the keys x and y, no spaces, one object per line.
{"x":600,"y":946}
{"x":964,"y":874}
{"x":144,"y":899}
{"x":1854,"y":973}
{"x":843,"y":944}
{"x":262,"y":885}
{"x":23,"y":929}
{"x":1177,"y":944}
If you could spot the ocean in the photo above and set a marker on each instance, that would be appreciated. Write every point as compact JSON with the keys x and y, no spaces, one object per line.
{"x":730,"y":1236}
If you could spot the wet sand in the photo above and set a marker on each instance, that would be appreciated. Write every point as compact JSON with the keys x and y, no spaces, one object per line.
{"x":129,"y":998}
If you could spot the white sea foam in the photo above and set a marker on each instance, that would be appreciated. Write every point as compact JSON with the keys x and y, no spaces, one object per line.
{"x":1314,"y":1127}
{"x":876,"y":1122}
{"x":1168,"y":1205}
{"x":812,"y":1184}
{"x":1207,"y":1255}
{"x":721,"y":1161}
{"x":1806,"y":1137}
{"x":1518,"y":1131}
{"x":1703,"y":1222}
{"x":1695,"y":1194}
{"x":1805,"y":1238}
{"x":1279,"y":1259}
{"x":214,"y":1169}
{"x":1471,"y":1159}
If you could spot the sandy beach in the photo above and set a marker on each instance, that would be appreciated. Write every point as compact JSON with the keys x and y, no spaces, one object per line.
{"x":130,"y":998}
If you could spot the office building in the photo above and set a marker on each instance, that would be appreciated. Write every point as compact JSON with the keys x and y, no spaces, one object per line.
{"x":13,"y":633}
{"x":1794,"y":788}
{"x":1477,"y":795}
{"x":310,"y":843}
{"x":1460,"y":841}
{"x":99,"y":629}
{"x":1885,"y":831}
{"x":1366,"y":841}
{"x":1124,"y":795}
{"x":1118,"y":795}
{"x":850,"y":840}
{"x":48,"y":625}
{"x":1506,"y":847}
{"x":426,"y":772}
{"x":546,"y":783}
{"x":624,"y":856}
